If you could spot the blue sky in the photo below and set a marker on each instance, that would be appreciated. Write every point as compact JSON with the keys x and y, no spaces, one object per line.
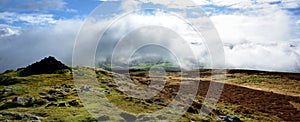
{"x":55,"y":9}
{"x":43,"y":12}
{"x":33,"y":29}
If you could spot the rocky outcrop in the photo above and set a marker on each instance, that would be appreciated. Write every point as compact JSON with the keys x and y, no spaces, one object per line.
{"x":48,"y":65}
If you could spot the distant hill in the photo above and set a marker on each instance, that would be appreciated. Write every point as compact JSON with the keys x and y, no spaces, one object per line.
{"x":47,"y":65}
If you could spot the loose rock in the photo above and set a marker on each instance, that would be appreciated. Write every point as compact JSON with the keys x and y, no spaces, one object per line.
{"x":161,"y":117}
{"x":74,"y":103}
{"x":51,"y":104}
{"x":18,"y":100}
{"x":128,"y":117}
{"x":230,"y":118}
{"x":103,"y":118}
{"x":63,"y":104}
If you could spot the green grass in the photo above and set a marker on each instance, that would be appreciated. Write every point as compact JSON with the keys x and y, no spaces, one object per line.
{"x":31,"y":86}
{"x":254,"y":79}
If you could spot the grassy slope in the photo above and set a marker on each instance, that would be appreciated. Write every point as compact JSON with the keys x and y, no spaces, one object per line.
{"x":31,"y":86}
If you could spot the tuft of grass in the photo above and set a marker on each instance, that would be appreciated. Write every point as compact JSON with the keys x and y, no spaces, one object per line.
{"x":253,"y":79}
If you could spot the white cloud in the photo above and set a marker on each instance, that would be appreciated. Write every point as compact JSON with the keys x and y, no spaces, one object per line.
{"x":249,"y":4}
{"x":38,"y":5}
{"x":40,"y":19}
{"x":37,"y":42}
{"x":290,"y":3}
{"x":278,"y":56}
{"x":259,"y":39}
{"x":232,"y":3}
{"x":266,"y":27}
{"x":109,"y":0}
{"x":298,"y":22}
{"x":7,"y":30}
{"x":202,"y":2}
{"x":71,"y":10}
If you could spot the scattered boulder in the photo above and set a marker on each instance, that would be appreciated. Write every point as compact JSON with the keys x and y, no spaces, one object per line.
{"x":19,"y":116}
{"x":7,"y":114}
{"x":105,"y":91}
{"x":26,"y":102}
{"x":33,"y":117}
{"x":67,"y":90}
{"x":20,"y":101}
{"x":230,"y":118}
{"x":192,"y":110}
{"x":145,"y":118}
{"x":43,"y":93}
{"x":161,"y":117}
{"x":85,"y":88}
{"x":51,"y":104}
{"x":149,"y":101}
{"x":52,"y":91}
{"x":62,"y":104}
{"x":103,"y":118}
{"x":6,"y":90}
{"x":67,"y":86}
{"x":128,"y":117}
{"x":74,"y":103}
{"x":50,"y":98}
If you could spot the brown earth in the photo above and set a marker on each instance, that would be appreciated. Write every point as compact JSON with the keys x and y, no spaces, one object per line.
{"x":248,"y":100}
{"x":251,"y":100}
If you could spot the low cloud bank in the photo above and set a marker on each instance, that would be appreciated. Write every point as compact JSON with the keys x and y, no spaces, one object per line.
{"x":250,"y":42}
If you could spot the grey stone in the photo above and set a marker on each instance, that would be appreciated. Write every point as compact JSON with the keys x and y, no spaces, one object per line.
{"x":85,"y":88}
{"x":33,"y":117}
{"x":146,"y":118}
{"x":19,"y":100}
{"x":230,"y":118}
{"x":30,"y":101}
{"x":50,"y":98}
{"x":56,"y":87}
{"x":5,"y":121}
{"x":34,"y":121}
{"x":19,"y":116}
{"x":6,"y":90}
{"x":67,"y":90}
{"x":27,"y":115}
{"x":67,"y":86}
{"x":74,"y":103}
{"x":51,"y":104}
{"x":128,"y":117}
{"x":161,"y":117}
{"x":7,"y":113}
{"x":103,"y":118}
{"x":63,"y":104}
{"x":43,"y":93}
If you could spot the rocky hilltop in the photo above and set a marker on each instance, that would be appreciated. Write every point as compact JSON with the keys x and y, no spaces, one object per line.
{"x":47,"y":65}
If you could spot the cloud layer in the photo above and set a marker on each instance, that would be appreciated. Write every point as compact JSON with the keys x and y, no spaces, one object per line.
{"x":262,"y":35}
{"x":36,"y":43}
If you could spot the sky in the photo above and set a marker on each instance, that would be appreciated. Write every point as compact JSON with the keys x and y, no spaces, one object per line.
{"x":256,"y":34}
